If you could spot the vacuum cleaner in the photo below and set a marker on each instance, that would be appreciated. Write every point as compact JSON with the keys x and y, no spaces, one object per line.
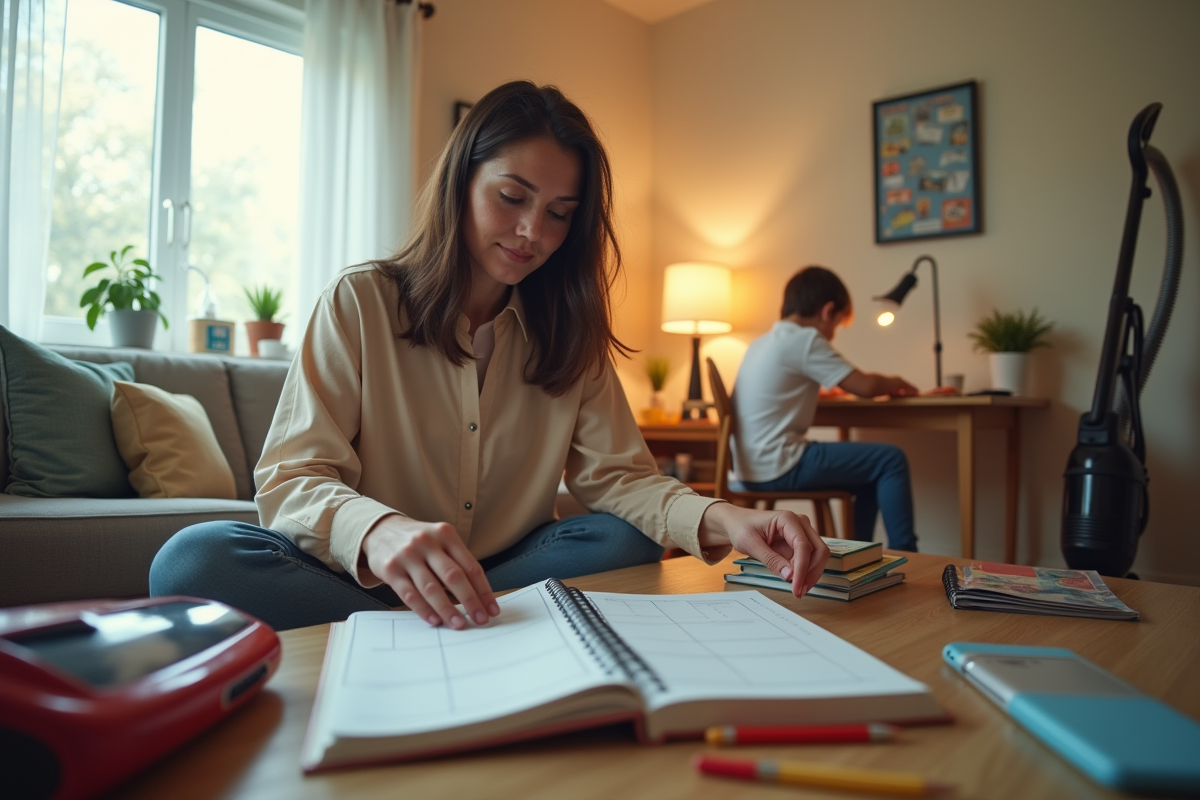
{"x":1106,"y":503}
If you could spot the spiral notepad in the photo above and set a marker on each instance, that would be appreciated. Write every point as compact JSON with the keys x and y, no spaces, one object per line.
{"x":1033,"y":590}
{"x":559,"y":659}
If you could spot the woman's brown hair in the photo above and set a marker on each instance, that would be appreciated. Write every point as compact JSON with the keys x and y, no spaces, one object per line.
{"x":568,"y":299}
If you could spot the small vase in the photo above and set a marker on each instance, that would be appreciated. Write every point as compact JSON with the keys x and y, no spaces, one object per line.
{"x":1011,"y":371}
{"x":655,"y":413}
{"x":132,"y":328}
{"x":262,"y":329}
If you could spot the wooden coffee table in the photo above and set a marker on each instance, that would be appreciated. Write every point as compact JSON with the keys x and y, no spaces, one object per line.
{"x":255,"y":753}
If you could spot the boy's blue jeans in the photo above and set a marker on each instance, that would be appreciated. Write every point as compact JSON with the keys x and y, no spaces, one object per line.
{"x":875,"y":472}
{"x":264,"y":574}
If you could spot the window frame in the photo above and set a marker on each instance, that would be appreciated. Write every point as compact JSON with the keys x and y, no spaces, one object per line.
{"x":267,"y":22}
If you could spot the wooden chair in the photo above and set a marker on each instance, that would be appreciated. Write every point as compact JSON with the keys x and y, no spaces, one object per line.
{"x":819,"y":498}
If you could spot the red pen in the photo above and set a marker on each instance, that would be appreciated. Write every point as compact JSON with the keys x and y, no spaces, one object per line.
{"x":825,"y":776}
{"x":801,"y":734}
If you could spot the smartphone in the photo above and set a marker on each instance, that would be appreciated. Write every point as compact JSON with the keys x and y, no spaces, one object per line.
{"x":1108,"y":729}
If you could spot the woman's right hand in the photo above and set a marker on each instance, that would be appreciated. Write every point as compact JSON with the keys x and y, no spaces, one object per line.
{"x":421,"y":561}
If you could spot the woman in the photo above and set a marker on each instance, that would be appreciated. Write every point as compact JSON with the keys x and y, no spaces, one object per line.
{"x":439,"y":396}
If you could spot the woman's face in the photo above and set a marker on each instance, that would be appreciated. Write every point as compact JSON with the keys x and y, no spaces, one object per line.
{"x":519,"y":210}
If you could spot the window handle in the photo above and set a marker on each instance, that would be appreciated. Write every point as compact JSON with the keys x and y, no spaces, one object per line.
{"x":170,"y":207}
{"x":186,"y":208}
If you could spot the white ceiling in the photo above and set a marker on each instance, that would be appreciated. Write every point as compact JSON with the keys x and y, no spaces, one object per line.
{"x":652,"y":11}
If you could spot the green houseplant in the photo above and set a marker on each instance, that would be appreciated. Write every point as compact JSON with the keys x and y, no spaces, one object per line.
{"x":126,"y":298}
{"x":657,"y":370}
{"x":265,"y":302}
{"x":1011,"y":333}
{"x":1009,"y":339}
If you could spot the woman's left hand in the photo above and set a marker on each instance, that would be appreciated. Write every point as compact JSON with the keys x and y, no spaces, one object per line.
{"x":785,"y":542}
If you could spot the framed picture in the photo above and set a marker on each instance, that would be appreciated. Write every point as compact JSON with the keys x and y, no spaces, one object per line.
{"x":927,"y":164}
{"x":460,"y":110}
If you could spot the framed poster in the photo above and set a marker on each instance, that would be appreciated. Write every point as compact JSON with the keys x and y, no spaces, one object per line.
{"x":927,"y":164}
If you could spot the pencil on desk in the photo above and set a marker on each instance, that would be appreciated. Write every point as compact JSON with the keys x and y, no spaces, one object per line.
{"x":826,"y":776}
{"x":801,"y":734}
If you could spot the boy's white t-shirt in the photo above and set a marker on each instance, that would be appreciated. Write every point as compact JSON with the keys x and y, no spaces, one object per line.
{"x":775,"y":398}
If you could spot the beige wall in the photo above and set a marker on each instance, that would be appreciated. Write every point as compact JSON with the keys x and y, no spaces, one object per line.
{"x":600,"y":58}
{"x":762,"y":141}
{"x":740,"y":132}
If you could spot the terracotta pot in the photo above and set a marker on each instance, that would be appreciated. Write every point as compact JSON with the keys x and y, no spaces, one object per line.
{"x":262,"y":329}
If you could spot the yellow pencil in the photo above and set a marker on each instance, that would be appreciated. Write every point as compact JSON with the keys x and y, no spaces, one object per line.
{"x":907,"y":784}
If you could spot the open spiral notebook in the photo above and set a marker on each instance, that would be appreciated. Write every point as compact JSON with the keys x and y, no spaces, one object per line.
{"x":557,"y":659}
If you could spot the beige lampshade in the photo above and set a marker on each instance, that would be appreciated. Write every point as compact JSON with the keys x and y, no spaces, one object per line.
{"x":696,"y":299}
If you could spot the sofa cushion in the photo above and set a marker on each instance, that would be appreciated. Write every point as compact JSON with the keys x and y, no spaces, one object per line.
{"x":77,"y":548}
{"x":168,"y":444}
{"x":201,"y":376}
{"x":256,"y":385}
{"x":56,"y":415}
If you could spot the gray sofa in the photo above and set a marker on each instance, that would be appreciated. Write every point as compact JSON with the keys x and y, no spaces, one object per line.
{"x":76,"y":548}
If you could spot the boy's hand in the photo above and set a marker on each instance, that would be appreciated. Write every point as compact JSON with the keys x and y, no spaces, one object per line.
{"x":872,"y":384}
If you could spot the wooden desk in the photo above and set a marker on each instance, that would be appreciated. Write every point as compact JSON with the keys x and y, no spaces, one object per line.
{"x":962,"y":416}
{"x":255,"y":753}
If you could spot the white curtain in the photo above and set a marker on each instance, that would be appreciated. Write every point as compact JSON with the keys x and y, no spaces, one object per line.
{"x":357,"y":135}
{"x":31,"y":53}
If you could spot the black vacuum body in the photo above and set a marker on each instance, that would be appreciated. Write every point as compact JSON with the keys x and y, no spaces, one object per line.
{"x":1106,"y":502}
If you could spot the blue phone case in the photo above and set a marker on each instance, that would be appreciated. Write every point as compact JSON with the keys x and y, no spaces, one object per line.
{"x":1108,"y":729}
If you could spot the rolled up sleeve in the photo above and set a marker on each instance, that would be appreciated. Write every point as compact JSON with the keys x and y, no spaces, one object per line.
{"x":309,"y":470}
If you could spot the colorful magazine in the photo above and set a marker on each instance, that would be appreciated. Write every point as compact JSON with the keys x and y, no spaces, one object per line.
{"x":1033,"y":590}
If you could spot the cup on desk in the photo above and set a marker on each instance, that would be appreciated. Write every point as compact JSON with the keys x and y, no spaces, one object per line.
{"x":272,"y":348}
{"x":955,"y":382}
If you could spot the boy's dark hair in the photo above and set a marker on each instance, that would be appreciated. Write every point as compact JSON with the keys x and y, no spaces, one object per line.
{"x":810,"y":289}
{"x":568,"y":299}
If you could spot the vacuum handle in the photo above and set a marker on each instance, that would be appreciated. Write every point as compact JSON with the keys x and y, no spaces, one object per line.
{"x":1114,"y":332}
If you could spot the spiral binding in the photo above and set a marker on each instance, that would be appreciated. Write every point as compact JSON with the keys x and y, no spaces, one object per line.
{"x":950,"y":583}
{"x":605,"y":645}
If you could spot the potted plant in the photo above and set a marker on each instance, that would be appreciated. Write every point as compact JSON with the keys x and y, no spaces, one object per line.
{"x":131,"y":306}
{"x":265,"y":302}
{"x":1009,"y":339}
{"x":657,"y":369}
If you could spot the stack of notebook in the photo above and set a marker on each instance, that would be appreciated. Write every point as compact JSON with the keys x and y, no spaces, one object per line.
{"x":854,"y":569}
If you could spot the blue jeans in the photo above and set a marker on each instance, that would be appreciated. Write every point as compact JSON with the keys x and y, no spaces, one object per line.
{"x":875,"y":472}
{"x":264,"y":574}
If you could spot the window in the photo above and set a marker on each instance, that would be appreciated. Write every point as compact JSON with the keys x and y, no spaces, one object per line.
{"x":179,"y":133}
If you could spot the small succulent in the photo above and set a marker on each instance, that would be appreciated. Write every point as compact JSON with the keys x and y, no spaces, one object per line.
{"x":265,"y":302}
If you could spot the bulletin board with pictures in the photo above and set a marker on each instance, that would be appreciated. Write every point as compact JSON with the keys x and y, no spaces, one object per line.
{"x":927,"y":164}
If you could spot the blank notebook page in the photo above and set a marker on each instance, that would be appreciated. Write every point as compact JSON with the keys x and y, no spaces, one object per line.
{"x":402,"y":676}
{"x":740,"y":645}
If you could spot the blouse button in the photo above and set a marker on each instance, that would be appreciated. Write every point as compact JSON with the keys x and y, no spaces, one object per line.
{"x":472,"y":427}
{"x":467,"y":506}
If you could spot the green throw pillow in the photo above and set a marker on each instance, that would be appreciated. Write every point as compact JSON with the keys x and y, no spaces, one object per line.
{"x":58,"y":421}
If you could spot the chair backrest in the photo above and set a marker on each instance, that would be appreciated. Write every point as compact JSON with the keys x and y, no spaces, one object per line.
{"x":725,"y":420}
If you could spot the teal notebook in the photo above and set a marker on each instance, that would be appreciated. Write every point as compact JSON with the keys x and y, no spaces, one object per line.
{"x":845,"y":580}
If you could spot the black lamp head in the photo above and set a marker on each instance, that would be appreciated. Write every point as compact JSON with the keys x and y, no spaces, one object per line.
{"x":901,"y":290}
{"x":889,"y":303}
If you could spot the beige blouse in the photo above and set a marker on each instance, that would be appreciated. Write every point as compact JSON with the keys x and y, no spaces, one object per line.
{"x":369,"y":425}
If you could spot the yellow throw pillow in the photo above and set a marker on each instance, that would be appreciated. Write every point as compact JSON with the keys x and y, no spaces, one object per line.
{"x":168,"y":444}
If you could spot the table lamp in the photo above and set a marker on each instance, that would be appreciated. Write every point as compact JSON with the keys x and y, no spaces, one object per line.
{"x":696,"y":302}
{"x":891,"y":302}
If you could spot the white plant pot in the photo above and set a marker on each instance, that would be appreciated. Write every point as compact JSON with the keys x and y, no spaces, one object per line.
{"x":132,"y":328}
{"x":1010,"y":371}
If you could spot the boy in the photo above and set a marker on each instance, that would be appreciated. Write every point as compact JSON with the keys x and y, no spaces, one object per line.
{"x":775,"y":399}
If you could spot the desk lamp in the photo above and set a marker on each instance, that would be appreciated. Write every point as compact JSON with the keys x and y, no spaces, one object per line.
{"x":892,"y":300}
{"x":696,"y":302}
